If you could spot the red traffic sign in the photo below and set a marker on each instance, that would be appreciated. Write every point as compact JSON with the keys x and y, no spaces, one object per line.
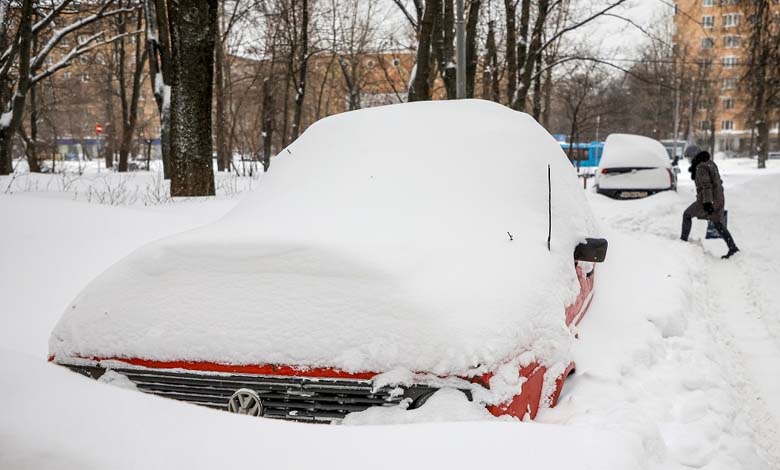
{"x":98,"y":128}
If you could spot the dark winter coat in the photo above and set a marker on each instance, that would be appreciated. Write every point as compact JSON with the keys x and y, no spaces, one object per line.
{"x":709,"y":188}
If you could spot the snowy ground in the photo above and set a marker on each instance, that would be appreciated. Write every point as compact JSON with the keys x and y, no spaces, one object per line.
{"x":677,"y":359}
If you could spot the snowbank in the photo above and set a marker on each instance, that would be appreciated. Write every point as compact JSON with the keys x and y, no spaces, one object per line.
{"x":88,"y":425}
{"x":364,"y":254}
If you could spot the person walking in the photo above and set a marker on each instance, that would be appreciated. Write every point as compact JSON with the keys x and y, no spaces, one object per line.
{"x":710,"y":202}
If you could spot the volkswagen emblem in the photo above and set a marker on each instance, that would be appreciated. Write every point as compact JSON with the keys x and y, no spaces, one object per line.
{"x":245,"y":402}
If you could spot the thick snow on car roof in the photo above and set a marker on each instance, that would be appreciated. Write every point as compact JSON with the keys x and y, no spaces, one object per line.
{"x":629,"y":150}
{"x":378,"y":240}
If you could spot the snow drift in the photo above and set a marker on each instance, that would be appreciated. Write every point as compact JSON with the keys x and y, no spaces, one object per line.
{"x":377,"y":241}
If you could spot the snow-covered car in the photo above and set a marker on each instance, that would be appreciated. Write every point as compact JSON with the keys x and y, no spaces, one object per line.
{"x":634,"y":166}
{"x":390,"y":252}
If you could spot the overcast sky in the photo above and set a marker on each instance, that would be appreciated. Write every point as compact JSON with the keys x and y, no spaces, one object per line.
{"x":613,"y":37}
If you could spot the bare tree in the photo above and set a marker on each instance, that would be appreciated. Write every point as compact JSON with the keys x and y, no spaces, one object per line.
{"x":158,"y":40}
{"x":420,"y":82}
{"x":18,"y":56}
{"x":490,"y":84}
{"x":762,"y":74}
{"x":353,"y":30}
{"x":129,"y":104}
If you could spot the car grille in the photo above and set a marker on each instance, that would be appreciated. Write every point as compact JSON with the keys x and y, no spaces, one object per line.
{"x":283,"y":397}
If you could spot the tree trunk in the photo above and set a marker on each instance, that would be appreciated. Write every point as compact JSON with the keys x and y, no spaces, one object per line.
{"x":490,"y":84}
{"x":510,"y":10}
{"x":762,"y":142}
{"x":537,"y":98}
{"x":442,"y":46}
{"x":124,"y":143}
{"x":108,"y":99}
{"x":420,"y":89}
{"x":547,"y":91}
{"x":32,"y":147}
{"x":16,"y":110}
{"x":286,"y":101}
{"x":192,"y":26}
{"x":161,"y":72}
{"x":303,"y":59}
{"x":522,"y":40}
{"x":268,"y":122}
{"x":471,"y":46}
{"x":534,"y":49}
{"x":223,"y":154}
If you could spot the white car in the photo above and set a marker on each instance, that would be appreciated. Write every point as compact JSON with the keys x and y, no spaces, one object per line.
{"x":634,"y":166}
{"x":388,"y":253}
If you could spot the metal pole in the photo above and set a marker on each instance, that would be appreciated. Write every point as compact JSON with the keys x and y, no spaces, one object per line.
{"x":598,"y":124}
{"x":460,"y":45}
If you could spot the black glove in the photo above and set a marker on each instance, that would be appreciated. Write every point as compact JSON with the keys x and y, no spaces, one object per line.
{"x":708,"y":208}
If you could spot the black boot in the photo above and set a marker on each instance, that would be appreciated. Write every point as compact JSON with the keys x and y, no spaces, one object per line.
{"x":726,"y":235}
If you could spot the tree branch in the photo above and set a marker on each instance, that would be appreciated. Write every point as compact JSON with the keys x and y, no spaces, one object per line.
{"x":406,"y":13}
{"x":78,"y":50}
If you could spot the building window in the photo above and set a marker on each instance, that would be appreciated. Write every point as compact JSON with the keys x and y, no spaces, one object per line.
{"x":707,"y":3}
{"x":396,"y":62}
{"x":729,"y":83}
{"x":66,"y":75}
{"x":707,"y":43}
{"x":84,"y":77}
{"x":728,"y":103}
{"x":704,"y":125}
{"x":704,"y":105}
{"x":708,"y":21}
{"x":731,"y":41}
{"x":727,"y":125}
{"x":731,"y":20}
{"x":729,"y":62}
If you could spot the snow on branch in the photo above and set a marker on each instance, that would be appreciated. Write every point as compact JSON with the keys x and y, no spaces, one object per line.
{"x":81,"y":48}
{"x":59,"y":35}
{"x":10,"y":51}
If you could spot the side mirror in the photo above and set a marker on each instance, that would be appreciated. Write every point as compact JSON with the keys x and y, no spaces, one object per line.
{"x":594,"y":250}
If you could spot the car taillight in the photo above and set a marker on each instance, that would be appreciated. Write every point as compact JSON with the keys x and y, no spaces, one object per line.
{"x":603,"y":171}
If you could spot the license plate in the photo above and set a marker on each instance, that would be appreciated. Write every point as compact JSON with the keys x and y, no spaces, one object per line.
{"x":633,"y":194}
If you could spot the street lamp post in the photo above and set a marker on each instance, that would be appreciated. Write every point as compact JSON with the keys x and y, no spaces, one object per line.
{"x":460,"y":45}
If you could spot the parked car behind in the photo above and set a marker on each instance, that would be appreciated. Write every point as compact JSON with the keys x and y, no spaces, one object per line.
{"x":634,"y":166}
{"x":389,"y":252}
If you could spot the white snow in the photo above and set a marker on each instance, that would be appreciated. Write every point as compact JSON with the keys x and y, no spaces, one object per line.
{"x":647,"y":156}
{"x":676,"y":359}
{"x":5,"y":119}
{"x":628,"y":150}
{"x":363,"y":257}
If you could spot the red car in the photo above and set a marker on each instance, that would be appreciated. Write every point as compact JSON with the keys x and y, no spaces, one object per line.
{"x":389,"y":253}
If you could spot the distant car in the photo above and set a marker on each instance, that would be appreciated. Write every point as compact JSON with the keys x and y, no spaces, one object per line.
{"x":634,"y":166}
{"x":362,"y":273}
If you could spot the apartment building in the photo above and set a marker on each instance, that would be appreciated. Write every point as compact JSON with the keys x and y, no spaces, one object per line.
{"x":711,"y":39}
